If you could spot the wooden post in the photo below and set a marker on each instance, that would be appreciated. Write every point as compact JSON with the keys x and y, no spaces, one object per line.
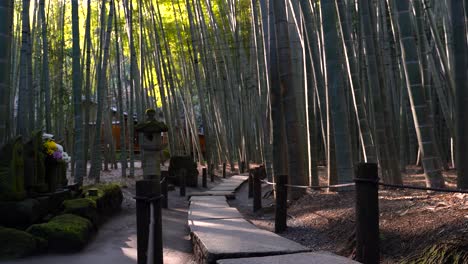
{"x":212,"y":172}
{"x":367,"y":214}
{"x":165,"y":188}
{"x":242,"y":167}
{"x":182,"y":174}
{"x":281,"y":205}
{"x":148,"y":189}
{"x":257,"y":191}
{"x":251,"y":172}
{"x":224,"y":169}
{"x":204,"y":184}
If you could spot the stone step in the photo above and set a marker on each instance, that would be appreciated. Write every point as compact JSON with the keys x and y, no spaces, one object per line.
{"x":211,"y":204}
{"x":215,"y":239}
{"x":206,"y":213}
{"x":298,"y":258}
{"x":227,"y":194}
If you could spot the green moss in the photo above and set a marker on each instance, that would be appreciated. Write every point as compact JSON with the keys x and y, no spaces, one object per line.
{"x":109,"y":198}
{"x":64,"y":233}
{"x":16,"y":243}
{"x":83,"y":207}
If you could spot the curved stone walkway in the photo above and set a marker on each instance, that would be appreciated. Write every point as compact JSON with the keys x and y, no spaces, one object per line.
{"x":221,"y":235}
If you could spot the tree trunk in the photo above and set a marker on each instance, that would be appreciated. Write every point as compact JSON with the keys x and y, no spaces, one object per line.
{"x":461,"y":104}
{"x":80,"y":165}
{"x":6,"y":28}
{"x":424,"y":128}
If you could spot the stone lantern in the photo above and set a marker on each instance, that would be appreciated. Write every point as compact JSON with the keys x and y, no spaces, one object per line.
{"x":151,"y":144}
{"x":148,"y":191}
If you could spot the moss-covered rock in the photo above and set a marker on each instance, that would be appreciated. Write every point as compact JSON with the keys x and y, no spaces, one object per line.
{"x":454,"y":251}
{"x":64,"y":233}
{"x":21,"y":214}
{"x":16,"y":243}
{"x":83,"y":207}
{"x":12,"y":171}
{"x":109,"y":198}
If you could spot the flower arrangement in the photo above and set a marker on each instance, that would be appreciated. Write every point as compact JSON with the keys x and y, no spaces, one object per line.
{"x":55,"y":151}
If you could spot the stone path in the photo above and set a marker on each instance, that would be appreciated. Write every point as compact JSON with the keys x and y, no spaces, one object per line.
{"x":221,"y":235}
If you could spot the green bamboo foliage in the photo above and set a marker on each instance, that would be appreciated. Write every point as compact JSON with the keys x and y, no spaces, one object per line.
{"x":291,"y":84}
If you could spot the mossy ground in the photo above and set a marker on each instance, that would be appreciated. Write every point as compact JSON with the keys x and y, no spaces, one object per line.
{"x":83,"y":207}
{"x":16,"y":243}
{"x":64,"y":233}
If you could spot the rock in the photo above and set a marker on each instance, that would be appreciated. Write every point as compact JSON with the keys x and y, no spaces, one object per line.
{"x":12,"y":171}
{"x":83,"y":207}
{"x":56,"y":199}
{"x":16,"y":243}
{"x":109,"y":198}
{"x":21,"y":214}
{"x":64,"y":233}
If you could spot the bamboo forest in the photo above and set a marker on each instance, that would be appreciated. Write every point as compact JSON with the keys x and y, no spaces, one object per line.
{"x":233,"y":131}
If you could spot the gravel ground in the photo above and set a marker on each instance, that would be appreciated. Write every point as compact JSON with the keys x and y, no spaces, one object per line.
{"x":410,"y":220}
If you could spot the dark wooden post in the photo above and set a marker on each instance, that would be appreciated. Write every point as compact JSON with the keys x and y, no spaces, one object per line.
{"x":224,"y":169}
{"x":281,"y":205}
{"x":257,"y":191}
{"x":204,"y":184}
{"x":242,"y":167}
{"x":251,"y":172}
{"x":148,"y":189}
{"x":212,"y":172}
{"x":164,"y":190}
{"x":182,"y":175}
{"x":367,"y":214}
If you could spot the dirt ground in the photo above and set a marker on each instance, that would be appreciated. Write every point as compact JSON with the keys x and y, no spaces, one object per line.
{"x":410,"y":220}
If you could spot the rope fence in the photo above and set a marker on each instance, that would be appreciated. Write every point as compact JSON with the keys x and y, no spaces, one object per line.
{"x":395,"y":186}
{"x":366,"y":188}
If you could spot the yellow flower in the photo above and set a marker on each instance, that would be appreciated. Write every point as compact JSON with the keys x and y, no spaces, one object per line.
{"x":50,"y":147}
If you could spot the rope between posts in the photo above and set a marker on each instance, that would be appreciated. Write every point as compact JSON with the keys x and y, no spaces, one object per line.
{"x":371,"y":181}
{"x":422,"y":188}
{"x":313,"y":187}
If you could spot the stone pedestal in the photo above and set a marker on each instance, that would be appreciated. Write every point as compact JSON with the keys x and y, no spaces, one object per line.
{"x":151,"y":144}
